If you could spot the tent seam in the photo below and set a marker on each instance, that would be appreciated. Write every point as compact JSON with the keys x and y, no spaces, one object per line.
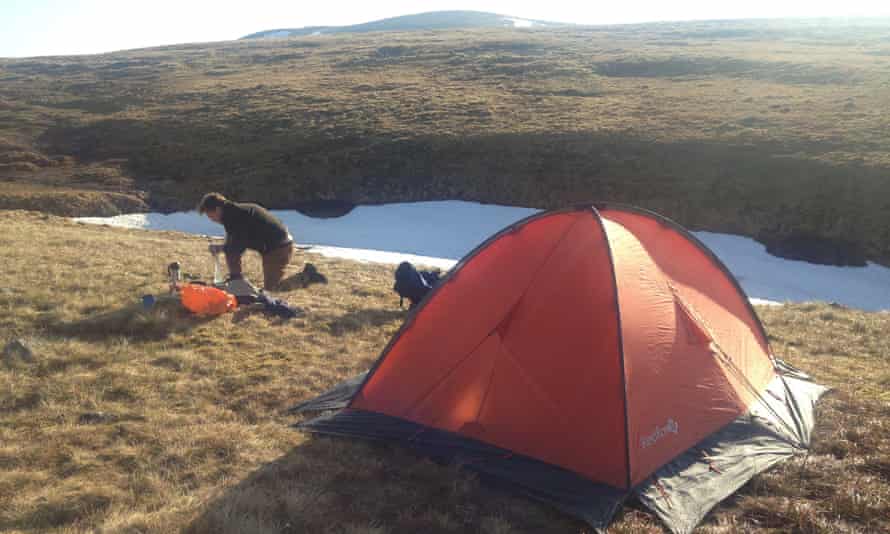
{"x":537,"y":387}
{"x":599,"y":219}
{"x":452,"y":273}
{"x":661,"y":219}
{"x":500,"y":320}
{"x":494,"y":367}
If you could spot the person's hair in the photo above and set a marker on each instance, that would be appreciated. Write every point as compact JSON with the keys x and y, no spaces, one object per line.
{"x":211,"y":201}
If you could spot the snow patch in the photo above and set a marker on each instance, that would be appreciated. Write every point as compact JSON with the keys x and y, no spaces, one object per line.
{"x":437,"y":234}
{"x":380,"y":256}
{"x":764,"y":302}
{"x":521,"y":23}
{"x":765,"y":276}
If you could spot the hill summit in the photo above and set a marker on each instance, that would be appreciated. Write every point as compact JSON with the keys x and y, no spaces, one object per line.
{"x":435,"y":20}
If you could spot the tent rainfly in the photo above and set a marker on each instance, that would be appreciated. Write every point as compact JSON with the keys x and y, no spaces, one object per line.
{"x":582,"y":357}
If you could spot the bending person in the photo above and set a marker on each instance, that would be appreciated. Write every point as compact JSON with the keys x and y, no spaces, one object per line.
{"x":250,"y":226}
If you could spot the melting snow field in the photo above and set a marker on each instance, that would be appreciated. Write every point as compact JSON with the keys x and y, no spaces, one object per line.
{"x":437,"y":234}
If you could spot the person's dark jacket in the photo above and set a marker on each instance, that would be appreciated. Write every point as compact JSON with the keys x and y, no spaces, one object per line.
{"x":250,"y":226}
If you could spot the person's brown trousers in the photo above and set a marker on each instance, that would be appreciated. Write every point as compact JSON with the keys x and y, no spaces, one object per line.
{"x":274,"y":263}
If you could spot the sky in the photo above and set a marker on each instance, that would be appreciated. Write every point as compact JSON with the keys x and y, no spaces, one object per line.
{"x":69,"y":27}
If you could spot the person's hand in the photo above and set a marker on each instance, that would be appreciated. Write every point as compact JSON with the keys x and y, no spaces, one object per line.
{"x":216,"y":249}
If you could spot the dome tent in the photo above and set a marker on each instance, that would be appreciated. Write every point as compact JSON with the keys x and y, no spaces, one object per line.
{"x":581,"y":357}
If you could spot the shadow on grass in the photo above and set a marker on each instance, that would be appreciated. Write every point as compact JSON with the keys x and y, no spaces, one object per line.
{"x":339,"y":485}
{"x":59,"y":512}
{"x":247,"y":310}
{"x":163,"y":319}
{"x":359,"y":319}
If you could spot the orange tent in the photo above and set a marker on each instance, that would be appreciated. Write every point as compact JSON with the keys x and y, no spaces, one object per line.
{"x":603,"y":342}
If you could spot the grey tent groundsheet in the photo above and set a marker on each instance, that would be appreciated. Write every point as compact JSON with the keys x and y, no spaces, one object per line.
{"x":334,"y":399}
{"x":594,"y":503}
{"x":680,"y":493}
{"x":683,"y":491}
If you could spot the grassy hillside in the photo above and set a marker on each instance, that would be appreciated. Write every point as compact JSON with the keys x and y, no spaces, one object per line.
{"x":130,"y":421}
{"x":746,"y":127}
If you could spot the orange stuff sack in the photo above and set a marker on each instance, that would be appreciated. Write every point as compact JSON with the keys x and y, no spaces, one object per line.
{"x":206,"y":300}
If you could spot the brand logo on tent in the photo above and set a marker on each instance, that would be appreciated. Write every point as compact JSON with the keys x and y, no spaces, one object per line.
{"x":670,"y":427}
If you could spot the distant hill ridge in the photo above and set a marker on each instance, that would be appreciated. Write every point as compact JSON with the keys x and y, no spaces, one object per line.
{"x":436,"y":20}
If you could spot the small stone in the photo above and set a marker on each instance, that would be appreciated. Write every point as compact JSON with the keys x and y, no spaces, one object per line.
{"x":94,"y":418}
{"x":18,"y":349}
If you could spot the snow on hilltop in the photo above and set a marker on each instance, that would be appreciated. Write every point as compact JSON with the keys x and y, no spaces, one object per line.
{"x":435,"y":20}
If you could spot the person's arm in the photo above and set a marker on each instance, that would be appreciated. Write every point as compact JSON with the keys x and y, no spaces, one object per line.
{"x":234,"y":249}
{"x":229,"y":246}
{"x":236,"y":240}
{"x":234,"y":245}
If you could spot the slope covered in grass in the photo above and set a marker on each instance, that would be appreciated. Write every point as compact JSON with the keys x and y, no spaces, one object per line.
{"x":748,"y":127}
{"x":131,"y":421}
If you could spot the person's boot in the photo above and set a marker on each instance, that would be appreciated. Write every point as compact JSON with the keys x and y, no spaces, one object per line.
{"x":303,"y":279}
{"x":310,"y":275}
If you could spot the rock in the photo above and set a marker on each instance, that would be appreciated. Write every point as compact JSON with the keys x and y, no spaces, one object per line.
{"x":17,"y":349}
{"x":324,"y":209}
{"x":814,"y":249}
{"x":95,"y":418}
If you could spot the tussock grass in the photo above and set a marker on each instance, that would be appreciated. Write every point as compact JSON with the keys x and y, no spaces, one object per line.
{"x":62,"y":200}
{"x":131,"y":322}
{"x":131,"y":420}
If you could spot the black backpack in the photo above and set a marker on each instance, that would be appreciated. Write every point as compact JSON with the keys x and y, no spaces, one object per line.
{"x":412,"y":284}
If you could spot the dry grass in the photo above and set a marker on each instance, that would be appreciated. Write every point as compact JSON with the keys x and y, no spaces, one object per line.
{"x":130,"y":418}
{"x":67,"y":201}
{"x":741,"y":127}
{"x":135,"y":421}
